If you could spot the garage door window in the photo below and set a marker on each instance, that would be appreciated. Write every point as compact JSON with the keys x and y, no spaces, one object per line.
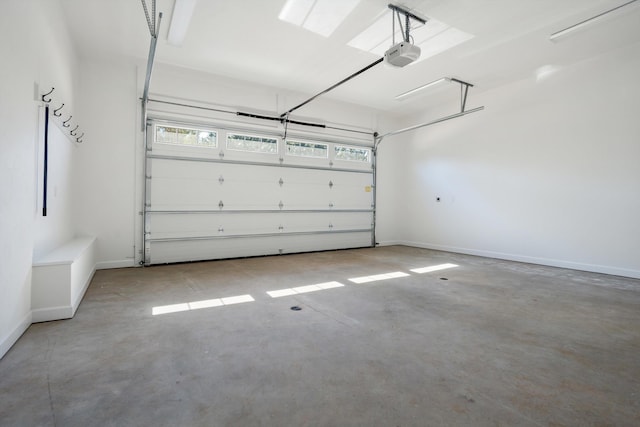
{"x":307,"y":149}
{"x":353,"y":154}
{"x":252,"y":143}
{"x":186,"y":136}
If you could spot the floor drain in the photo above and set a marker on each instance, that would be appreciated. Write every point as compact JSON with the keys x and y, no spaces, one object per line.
{"x":443,"y":278}
{"x":296,"y":308}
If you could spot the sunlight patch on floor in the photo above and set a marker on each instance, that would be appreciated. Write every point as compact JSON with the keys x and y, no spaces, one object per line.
{"x":433,"y":268}
{"x":197,"y":305}
{"x":377,"y":277}
{"x":303,"y":289}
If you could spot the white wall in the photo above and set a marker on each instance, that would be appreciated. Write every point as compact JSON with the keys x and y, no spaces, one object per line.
{"x":36,"y":51}
{"x":193,"y":86}
{"x":105,"y":192}
{"x":548,"y":173}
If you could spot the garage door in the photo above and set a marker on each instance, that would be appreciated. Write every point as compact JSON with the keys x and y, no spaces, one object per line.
{"x":213,"y":191}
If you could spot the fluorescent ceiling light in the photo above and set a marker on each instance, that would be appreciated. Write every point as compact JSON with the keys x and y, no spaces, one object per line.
{"x":180,"y":19}
{"x":421,"y":88}
{"x":319,"y":16}
{"x":432,"y":38}
{"x":559,"y":35}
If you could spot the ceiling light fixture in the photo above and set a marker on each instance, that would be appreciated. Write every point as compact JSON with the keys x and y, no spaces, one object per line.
{"x":559,"y":35}
{"x":421,"y":88}
{"x":180,"y":19}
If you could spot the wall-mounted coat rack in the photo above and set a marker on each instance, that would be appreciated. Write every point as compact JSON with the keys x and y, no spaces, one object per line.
{"x":73,"y":134}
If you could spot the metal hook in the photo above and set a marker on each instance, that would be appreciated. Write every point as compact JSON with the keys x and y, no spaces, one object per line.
{"x":55,"y":112}
{"x":73,"y":132}
{"x":46,"y":94}
{"x":65,"y":122}
{"x":79,"y":139}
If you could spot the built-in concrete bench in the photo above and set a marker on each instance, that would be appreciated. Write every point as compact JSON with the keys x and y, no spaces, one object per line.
{"x":60,"y":278}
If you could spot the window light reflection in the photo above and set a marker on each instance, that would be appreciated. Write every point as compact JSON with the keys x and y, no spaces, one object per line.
{"x":377,"y":277}
{"x":196,"y":305}
{"x":433,"y":268}
{"x":303,"y":289}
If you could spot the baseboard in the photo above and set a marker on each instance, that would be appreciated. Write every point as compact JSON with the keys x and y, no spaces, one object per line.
{"x":124,"y":263}
{"x":593,"y":268}
{"x":7,"y":342}
{"x":391,"y":243}
{"x":52,"y":313}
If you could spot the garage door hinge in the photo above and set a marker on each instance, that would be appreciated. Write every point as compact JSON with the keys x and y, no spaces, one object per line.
{"x":281,"y":160}
{"x":281,"y":182}
{"x":330,"y":204}
{"x":221,"y":180}
{"x":280,"y":228}
{"x":280,"y":205}
{"x":220,"y":229}
{"x":330,"y":184}
{"x":330,"y":226}
{"x":221,"y":154}
{"x":221,"y":205}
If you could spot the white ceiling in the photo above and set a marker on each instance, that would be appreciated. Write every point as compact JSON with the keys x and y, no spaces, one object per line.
{"x":244,"y":39}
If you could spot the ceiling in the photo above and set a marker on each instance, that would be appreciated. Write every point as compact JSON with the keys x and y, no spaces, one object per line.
{"x":246,"y":40}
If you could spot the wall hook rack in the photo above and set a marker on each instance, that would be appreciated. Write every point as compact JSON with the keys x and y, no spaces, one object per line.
{"x":55,"y":112}
{"x":47,"y":99}
{"x":44,"y":97}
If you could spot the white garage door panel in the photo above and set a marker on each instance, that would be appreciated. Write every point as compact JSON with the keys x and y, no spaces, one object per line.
{"x":352,"y":192}
{"x":201,"y":205}
{"x":318,"y":189}
{"x":199,"y":185}
{"x":202,"y":185}
{"x":230,"y":224}
{"x":195,"y":250}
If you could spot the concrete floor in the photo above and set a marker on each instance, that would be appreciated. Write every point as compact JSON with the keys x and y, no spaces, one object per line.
{"x":497,"y":344}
